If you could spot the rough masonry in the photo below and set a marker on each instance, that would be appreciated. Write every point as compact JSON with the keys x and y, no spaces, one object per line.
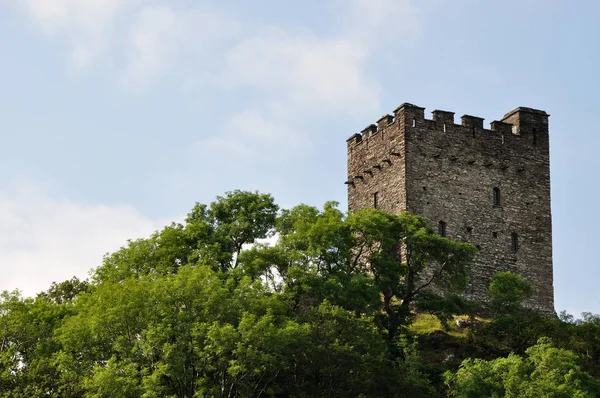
{"x":490,"y":187}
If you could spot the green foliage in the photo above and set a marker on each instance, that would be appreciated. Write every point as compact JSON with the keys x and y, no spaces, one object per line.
{"x":212,"y":235}
{"x":202,"y":308}
{"x":65,"y":291}
{"x":546,"y":371}
{"x":508,"y":291}
{"x":513,"y":328}
{"x":410,"y":264}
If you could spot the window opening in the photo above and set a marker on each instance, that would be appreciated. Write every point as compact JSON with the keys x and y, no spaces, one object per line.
{"x":444,"y":127}
{"x":514,"y":242}
{"x":442,"y":228}
{"x":496,"y":196}
{"x":376,"y":200}
{"x":414,"y":122}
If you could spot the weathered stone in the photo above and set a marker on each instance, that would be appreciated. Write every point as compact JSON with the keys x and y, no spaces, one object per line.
{"x":447,"y":172}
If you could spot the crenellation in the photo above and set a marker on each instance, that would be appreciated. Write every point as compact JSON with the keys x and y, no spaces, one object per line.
{"x":501,"y":127}
{"x":407,"y":114}
{"x":526,"y":121}
{"x":385,"y":121}
{"x":414,"y":166}
{"x":354,"y":139}
{"x":443,"y":116}
{"x":472,"y":121}
{"x":369,"y":131}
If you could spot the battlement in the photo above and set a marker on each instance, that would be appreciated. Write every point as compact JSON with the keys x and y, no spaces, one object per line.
{"x":519,"y":121}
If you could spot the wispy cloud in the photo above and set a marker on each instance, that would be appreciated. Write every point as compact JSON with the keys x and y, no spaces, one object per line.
{"x":284,"y":72}
{"x":145,"y":39}
{"x":162,"y":39}
{"x":377,"y":23}
{"x":322,"y":74}
{"x":138,"y":39}
{"x":255,"y":132}
{"x":88,"y":26}
{"x":44,"y":238}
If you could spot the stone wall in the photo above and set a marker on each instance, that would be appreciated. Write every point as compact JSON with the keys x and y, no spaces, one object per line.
{"x":447,"y":172}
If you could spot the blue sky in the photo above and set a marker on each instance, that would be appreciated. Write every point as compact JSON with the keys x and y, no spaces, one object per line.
{"x":117,"y":115}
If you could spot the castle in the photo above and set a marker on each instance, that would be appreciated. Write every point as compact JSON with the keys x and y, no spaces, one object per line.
{"x":490,"y":187}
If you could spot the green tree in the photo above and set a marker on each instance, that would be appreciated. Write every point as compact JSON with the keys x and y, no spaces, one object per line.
{"x":213,"y":234}
{"x":65,"y":291}
{"x":372,"y":253}
{"x":411,"y":265}
{"x":27,"y":345}
{"x":546,"y":371}
{"x":201,"y":308}
{"x":508,"y":291}
{"x":513,"y":327}
{"x":240,"y":218}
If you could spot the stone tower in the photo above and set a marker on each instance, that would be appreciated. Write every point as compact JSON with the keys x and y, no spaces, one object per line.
{"x":490,"y":187}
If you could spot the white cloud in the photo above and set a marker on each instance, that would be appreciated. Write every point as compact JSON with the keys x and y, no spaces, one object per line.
{"x":311,"y":71}
{"x":141,"y":39}
{"x":152,"y":42}
{"x":161,"y":38}
{"x":147,"y":38}
{"x":87,"y":25}
{"x":376,"y":23}
{"x":256,"y":133}
{"x":45,"y":239}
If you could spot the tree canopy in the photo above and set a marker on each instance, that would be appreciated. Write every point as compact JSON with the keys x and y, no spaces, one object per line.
{"x":245,"y":299}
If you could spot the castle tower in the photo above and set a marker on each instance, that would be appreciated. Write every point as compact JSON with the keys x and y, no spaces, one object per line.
{"x":490,"y":187}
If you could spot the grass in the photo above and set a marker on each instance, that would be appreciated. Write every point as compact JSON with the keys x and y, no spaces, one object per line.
{"x":424,"y":324}
{"x":441,"y":349}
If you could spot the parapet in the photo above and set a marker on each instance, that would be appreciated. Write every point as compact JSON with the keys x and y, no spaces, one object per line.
{"x":406,"y":112}
{"x":385,"y":121}
{"x":519,"y":121}
{"x":524,"y":109}
{"x":501,"y":127}
{"x":365,"y":133}
{"x":443,"y":116}
{"x":472,"y":121}
{"x":368,"y":131}
{"x":354,"y":139}
{"x":527,"y":120}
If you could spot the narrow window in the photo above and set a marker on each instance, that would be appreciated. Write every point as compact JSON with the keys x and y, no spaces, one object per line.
{"x":496,"y":196}
{"x":534,"y":137}
{"x":376,"y":200}
{"x":414,"y":122}
{"x":514,"y":242}
{"x":442,"y":228}
{"x":444,"y":127}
